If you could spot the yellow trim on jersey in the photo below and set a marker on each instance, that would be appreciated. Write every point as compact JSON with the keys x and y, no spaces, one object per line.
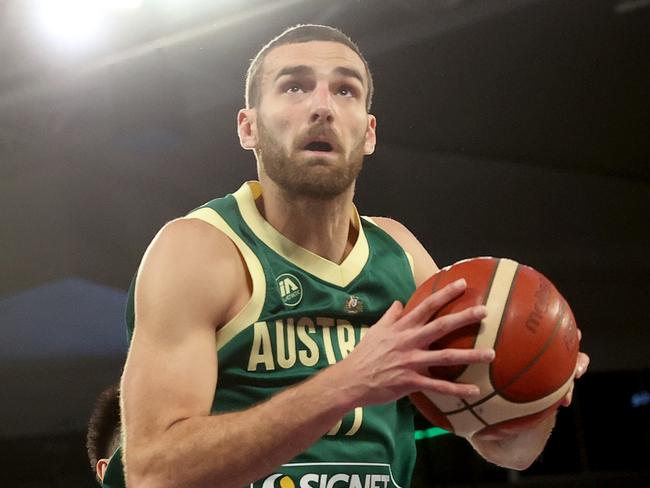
{"x":336,"y":274}
{"x":411,"y":263}
{"x":252,"y":310}
{"x":408,"y":254}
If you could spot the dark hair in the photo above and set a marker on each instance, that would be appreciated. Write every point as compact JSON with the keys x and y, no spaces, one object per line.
{"x":295,"y":35}
{"x":103,"y":435}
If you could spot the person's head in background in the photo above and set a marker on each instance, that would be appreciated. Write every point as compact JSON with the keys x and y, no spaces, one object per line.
{"x":103,"y":436}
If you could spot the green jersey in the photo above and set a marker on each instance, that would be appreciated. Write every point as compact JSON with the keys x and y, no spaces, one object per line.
{"x":305,"y":314}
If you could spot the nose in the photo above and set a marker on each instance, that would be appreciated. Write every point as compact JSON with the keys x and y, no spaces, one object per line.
{"x":322,"y":110}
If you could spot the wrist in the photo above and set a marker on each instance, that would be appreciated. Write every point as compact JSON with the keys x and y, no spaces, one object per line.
{"x":337,"y":380}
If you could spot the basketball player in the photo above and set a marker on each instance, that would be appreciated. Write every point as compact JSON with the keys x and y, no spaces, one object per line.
{"x":103,"y":437}
{"x":269,"y":346}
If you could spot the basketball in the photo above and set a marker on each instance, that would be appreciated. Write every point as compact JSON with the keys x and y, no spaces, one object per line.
{"x":533,"y":332}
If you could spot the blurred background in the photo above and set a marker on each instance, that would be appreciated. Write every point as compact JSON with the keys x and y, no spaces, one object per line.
{"x":507,"y":128}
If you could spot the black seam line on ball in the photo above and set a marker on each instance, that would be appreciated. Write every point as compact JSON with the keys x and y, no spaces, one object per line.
{"x":543,"y":349}
{"x":478,"y":417}
{"x":469,"y":406}
{"x":519,"y":375}
{"x":505,"y":308}
{"x":438,"y":277}
{"x":485,"y":299}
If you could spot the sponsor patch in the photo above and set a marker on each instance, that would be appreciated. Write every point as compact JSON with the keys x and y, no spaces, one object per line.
{"x":290,"y":289}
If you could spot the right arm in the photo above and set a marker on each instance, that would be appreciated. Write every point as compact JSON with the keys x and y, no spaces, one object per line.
{"x":170,"y":376}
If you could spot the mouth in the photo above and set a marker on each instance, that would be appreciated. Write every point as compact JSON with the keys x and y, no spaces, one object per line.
{"x":319,"y":146}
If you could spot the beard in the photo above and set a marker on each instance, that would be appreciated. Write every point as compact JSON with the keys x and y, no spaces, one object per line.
{"x":314,"y":178}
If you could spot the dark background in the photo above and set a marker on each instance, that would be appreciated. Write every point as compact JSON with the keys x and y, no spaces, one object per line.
{"x":506,"y":128}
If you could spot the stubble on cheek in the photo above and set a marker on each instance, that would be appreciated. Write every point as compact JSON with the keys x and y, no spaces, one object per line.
{"x":300,"y":175}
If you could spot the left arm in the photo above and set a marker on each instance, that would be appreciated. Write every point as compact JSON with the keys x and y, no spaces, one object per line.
{"x":516,"y":449}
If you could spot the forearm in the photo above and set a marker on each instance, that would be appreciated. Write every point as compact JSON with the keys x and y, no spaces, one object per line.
{"x":518,"y":451}
{"x":238,"y":448}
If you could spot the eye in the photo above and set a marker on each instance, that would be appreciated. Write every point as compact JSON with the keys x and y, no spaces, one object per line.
{"x":347,"y":91}
{"x":293,"y":88}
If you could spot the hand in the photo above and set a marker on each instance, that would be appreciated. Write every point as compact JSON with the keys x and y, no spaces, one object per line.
{"x":393,"y":358}
{"x":514,"y":430}
{"x":581,"y":366}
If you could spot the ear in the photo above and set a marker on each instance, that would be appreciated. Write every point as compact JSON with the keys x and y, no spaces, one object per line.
{"x":247,"y":128}
{"x":100,"y":469}
{"x":371,"y":136}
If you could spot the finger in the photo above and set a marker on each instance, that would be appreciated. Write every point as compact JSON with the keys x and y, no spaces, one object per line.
{"x":579,"y":335}
{"x":395,"y":310}
{"x":463,"y":390}
{"x":430,"y":305}
{"x":393,"y":313}
{"x":442,"y":326}
{"x":452,"y":357}
{"x":566,"y":401}
{"x":582,"y":364}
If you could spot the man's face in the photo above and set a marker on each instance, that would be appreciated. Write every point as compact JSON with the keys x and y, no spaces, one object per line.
{"x":312,"y":126}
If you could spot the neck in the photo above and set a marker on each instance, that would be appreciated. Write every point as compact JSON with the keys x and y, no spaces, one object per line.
{"x":320,"y":226}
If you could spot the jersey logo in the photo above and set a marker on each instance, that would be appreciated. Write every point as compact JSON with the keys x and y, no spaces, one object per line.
{"x":278,"y":481}
{"x":366,"y":478}
{"x":290,"y":289}
{"x":353,"y":304}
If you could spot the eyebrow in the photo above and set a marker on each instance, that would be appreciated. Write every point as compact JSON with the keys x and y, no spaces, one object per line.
{"x":349,"y":73}
{"x":302,"y":70}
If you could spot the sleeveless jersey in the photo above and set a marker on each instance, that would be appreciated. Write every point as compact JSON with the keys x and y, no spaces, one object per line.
{"x":307,"y":313}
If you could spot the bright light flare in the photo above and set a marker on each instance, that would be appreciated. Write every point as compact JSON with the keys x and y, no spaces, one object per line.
{"x":126,"y":4}
{"x":76,"y":23}
{"x":70,"y":21}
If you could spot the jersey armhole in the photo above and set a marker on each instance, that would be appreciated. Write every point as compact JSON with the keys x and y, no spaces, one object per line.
{"x":408,"y":254}
{"x":253,"y":308}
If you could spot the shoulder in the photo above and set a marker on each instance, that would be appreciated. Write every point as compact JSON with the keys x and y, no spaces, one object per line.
{"x":190,"y":242}
{"x":188,"y":260}
{"x":423,"y":264}
{"x":185,"y":230}
{"x":395,"y":229}
{"x":399,"y":232}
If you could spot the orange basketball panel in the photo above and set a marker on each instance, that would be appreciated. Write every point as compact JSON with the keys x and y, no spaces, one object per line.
{"x":530,"y":320}
{"x":430,"y":411}
{"x":552,"y":368}
{"x":478,"y":274}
